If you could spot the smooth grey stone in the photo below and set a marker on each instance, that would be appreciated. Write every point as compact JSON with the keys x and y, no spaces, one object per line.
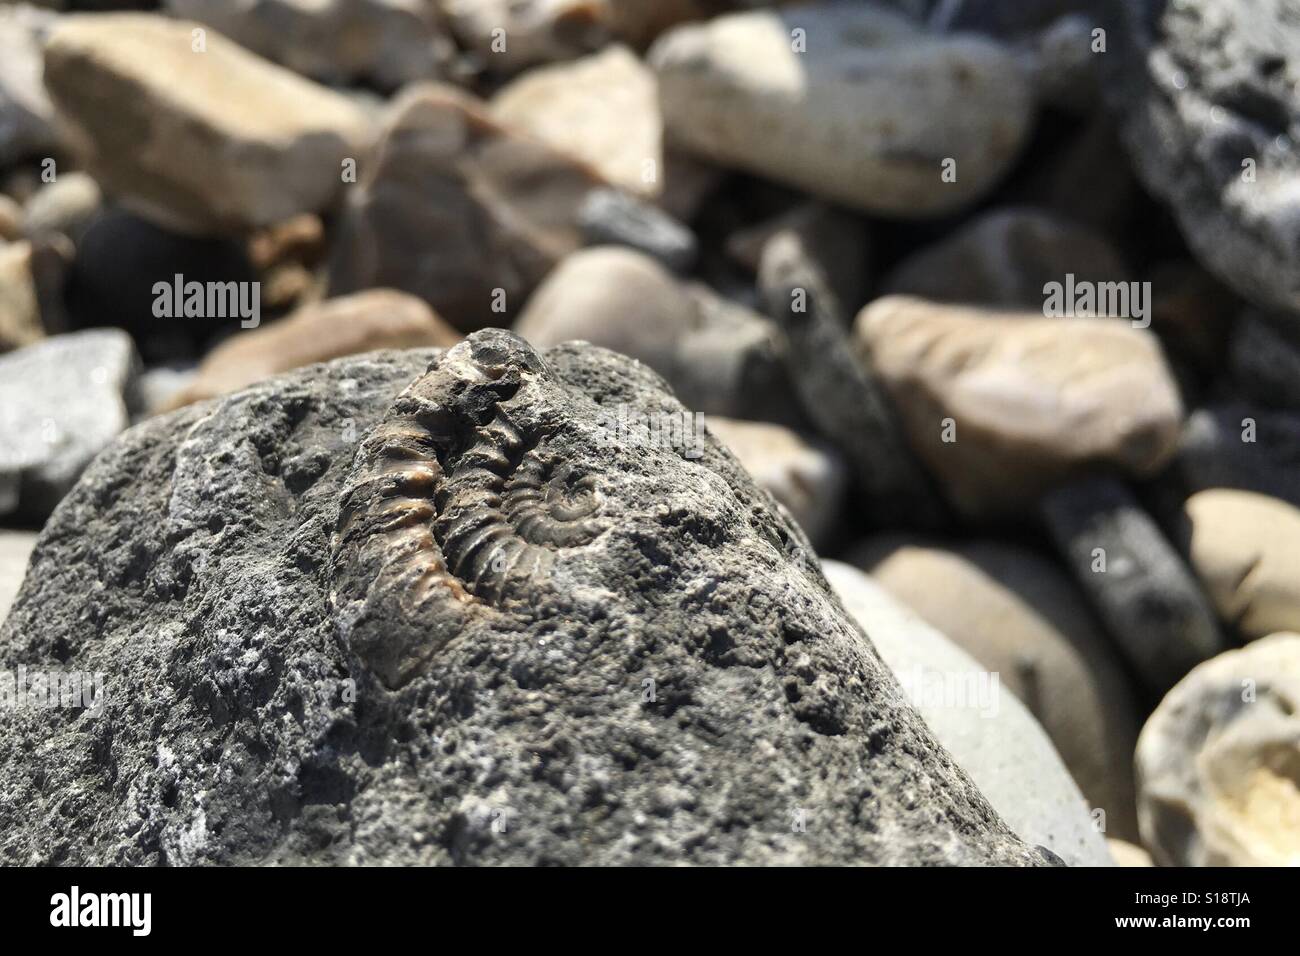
{"x":612,"y":217}
{"x":992,"y":737}
{"x":312,"y":654}
{"x":1141,"y":588}
{"x":62,"y":401}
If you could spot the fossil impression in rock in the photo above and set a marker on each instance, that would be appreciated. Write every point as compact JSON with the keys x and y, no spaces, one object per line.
{"x":457,"y":505}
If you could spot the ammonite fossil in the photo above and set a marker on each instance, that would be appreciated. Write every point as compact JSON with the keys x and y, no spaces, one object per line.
{"x":457,"y":505}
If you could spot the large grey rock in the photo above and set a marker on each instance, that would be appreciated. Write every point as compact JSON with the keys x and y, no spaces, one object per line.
{"x":384,"y":42}
{"x":988,"y":732}
{"x":851,"y":102}
{"x":1208,"y":96}
{"x":1143,"y":591}
{"x":61,"y":401}
{"x":1216,"y":762}
{"x":545,"y":632}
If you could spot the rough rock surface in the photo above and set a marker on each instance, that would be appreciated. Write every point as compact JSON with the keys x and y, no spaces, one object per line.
{"x":1217,"y":762}
{"x":61,"y":401}
{"x":629,"y":658}
{"x":1246,"y":548}
{"x":865,"y":115}
{"x":459,"y":210}
{"x":1021,"y":618}
{"x":203,"y":142}
{"x":603,"y":109}
{"x":719,"y":357}
{"x":349,"y":325}
{"x":383,"y":42}
{"x":1208,"y":96}
{"x":988,"y":732}
{"x":1142,"y":589}
{"x":1002,"y":405}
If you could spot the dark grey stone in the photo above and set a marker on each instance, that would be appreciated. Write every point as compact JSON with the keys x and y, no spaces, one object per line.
{"x":837,"y":392}
{"x":1265,"y":362}
{"x":1241,"y":446}
{"x":565,"y":649}
{"x":61,"y":401}
{"x":1142,"y":590}
{"x":1204,"y":88}
{"x":612,"y":217}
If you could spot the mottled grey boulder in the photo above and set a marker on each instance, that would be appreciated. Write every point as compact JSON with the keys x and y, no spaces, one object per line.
{"x":361,"y":614}
{"x":1142,"y":590}
{"x":1208,"y":97}
{"x":61,"y":401}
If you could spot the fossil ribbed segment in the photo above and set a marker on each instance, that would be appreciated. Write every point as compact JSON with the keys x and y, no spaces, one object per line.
{"x":456,"y":506}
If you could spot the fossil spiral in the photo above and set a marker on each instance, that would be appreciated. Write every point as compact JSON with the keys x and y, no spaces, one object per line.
{"x":457,"y":505}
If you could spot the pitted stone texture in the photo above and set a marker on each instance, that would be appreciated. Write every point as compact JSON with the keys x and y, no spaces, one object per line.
{"x":683,"y":688}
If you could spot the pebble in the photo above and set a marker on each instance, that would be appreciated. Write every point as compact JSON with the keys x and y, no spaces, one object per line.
{"x":1143,"y":591}
{"x":1021,"y":618}
{"x":207,"y":142}
{"x":1246,"y":548}
{"x":611,"y":217}
{"x":1002,"y":405}
{"x":1216,"y":762}
{"x":852,"y":103}
{"x":989,"y":733}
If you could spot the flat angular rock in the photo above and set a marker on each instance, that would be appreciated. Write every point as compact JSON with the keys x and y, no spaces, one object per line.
{"x":1002,"y":405}
{"x":1142,"y":590}
{"x":988,"y":732}
{"x":432,"y":617}
{"x":1246,"y":548}
{"x":386,"y":43}
{"x":61,"y":401}
{"x":1216,"y":762}
{"x":1023,"y":620}
{"x":603,"y":109}
{"x":349,"y":325}
{"x":1207,"y":92}
{"x":459,"y":210}
{"x":210,"y":141}
{"x":851,"y":102}
{"x":719,"y":357}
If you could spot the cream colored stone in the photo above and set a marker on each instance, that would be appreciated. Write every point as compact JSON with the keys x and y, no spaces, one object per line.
{"x":1246,"y":549}
{"x":1020,"y":617}
{"x":203,"y":141}
{"x":1218,"y":762}
{"x":603,"y":109}
{"x":20,"y":311}
{"x":1001,"y":405}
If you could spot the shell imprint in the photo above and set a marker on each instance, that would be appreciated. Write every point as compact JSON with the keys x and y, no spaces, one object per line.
{"x":453,"y":509}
